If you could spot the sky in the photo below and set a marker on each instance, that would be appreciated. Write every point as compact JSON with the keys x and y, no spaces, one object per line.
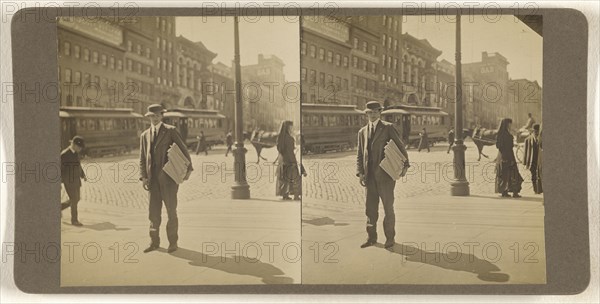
{"x":507,"y":35}
{"x":261,"y":34}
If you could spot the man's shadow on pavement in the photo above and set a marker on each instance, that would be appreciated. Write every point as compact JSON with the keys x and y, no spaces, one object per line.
{"x":236,"y":264}
{"x":457,"y":261}
{"x":323,"y":221}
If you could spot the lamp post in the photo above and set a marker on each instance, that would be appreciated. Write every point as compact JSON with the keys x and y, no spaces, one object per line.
{"x":240,"y":188}
{"x":460,"y":185}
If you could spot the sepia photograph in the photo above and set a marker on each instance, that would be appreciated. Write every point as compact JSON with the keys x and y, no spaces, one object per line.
{"x":199,"y":115}
{"x":422,"y":144}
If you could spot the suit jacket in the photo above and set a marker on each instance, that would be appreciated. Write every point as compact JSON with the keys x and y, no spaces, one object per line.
{"x":383,"y":133}
{"x":167,"y":135}
{"x":71,"y":172}
{"x":532,"y":148}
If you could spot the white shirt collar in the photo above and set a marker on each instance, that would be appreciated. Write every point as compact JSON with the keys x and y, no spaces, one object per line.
{"x":71,"y":148}
{"x":157,"y":127}
{"x":374,"y":124}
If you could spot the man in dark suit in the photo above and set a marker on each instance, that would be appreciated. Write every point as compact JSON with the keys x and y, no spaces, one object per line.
{"x":154,"y":144}
{"x":71,"y":174}
{"x":372,"y":140}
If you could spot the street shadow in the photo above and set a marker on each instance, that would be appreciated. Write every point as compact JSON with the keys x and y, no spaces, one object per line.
{"x":104,"y":226}
{"x":323,"y":221}
{"x":457,"y":261}
{"x":276,"y":200}
{"x":236,"y":265}
{"x":538,"y":198}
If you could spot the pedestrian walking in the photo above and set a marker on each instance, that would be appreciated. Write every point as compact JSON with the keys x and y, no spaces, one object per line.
{"x":71,"y":174}
{"x":508,"y":178}
{"x":229,"y":142}
{"x":424,"y":143}
{"x":288,"y":176}
{"x":372,"y":140}
{"x":154,"y":145}
{"x":531,"y":157}
{"x":450,"y":140}
{"x":201,"y":146}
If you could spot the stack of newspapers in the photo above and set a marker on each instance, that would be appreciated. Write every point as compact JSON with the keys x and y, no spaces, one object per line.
{"x":394,"y":161}
{"x":178,"y":164}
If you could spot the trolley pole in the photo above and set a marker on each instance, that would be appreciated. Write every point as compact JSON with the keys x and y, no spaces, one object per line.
{"x":240,"y":188}
{"x":460,"y":185}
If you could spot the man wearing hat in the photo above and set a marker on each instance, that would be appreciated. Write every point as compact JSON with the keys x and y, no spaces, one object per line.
{"x":154,"y":144}
{"x":71,"y":174}
{"x":372,"y":140}
{"x":531,"y":156}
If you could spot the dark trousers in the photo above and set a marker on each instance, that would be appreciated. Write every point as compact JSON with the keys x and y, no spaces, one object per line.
{"x":450,"y":146}
{"x":73,"y":191}
{"x":534,"y":179}
{"x":163,"y":189}
{"x":380,"y":187}
{"x":228,"y":150}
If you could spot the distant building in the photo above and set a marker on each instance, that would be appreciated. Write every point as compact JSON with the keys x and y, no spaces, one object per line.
{"x":194,"y":75}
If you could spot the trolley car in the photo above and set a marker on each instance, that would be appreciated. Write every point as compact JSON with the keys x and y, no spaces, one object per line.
{"x":106,"y":131}
{"x":410,"y":121}
{"x":327,"y":127}
{"x":190,"y":122}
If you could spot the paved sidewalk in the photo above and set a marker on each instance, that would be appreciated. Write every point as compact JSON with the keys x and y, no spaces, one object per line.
{"x":439,"y":240}
{"x":222,"y":241}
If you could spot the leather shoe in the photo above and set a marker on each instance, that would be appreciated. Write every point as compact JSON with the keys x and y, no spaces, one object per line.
{"x":368,"y":243}
{"x":152,"y":247}
{"x":389,"y":244}
{"x":172,"y":248}
{"x":77,"y":223}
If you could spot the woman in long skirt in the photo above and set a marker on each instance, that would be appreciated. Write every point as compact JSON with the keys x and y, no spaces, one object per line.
{"x":508,"y":178}
{"x":288,"y":175}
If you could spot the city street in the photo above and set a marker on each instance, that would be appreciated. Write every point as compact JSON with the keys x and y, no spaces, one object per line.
{"x":221,"y":241}
{"x":480,"y":239}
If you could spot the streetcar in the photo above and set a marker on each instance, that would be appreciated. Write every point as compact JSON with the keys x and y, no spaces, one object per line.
{"x":190,"y":122}
{"x":107,"y":131}
{"x":328,"y":127}
{"x":410,"y":121}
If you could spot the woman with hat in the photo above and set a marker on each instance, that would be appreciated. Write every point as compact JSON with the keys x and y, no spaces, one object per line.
{"x":508,"y":178}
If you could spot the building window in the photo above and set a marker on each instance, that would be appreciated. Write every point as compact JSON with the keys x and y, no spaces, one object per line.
{"x":329,"y":56}
{"x":138,"y":68}
{"x":158,"y":79}
{"x":138,"y":49}
{"x":68,"y":75}
{"x":395,"y":44}
{"x":97,"y":80}
{"x":129,"y":46}
{"x":170,"y":47}
{"x":395,"y":25}
{"x":313,"y":77}
{"x":338,"y":60}
{"x":148,"y":71}
{"x":382,"y":77}
{"x":163,"y":25}
{"x":345,"y":62}
{"x":303,"y":74}
{"x":163,"y":45}
{"x":147,"y":52}
{"x":86,"y":54}
{"x":76,"y":51}
{"x":77,"y":79}
{"x":157,"y":22}
{"x":164,"y":65}
{"x":383,"y":59}
{"x":321,"y":54}
{"x":345,"y":86}
{"x":95,"y":57}
{"x":354,"y":62}
{"x":389,"y":42}
{"x":355,"y":42}
{"x":169,"y":27}
{"x":103,"y":59}
{"x":119,"y":65}
{"x":365,"y":46}
{"x":129,"y":65}
{"x":67,"y":49}
{"x":383,"y":39}
{"x":313,"y":51}
{"x":158,"y":42}
{"x":322,"y":79}
{"x":364,"y":65}
{"x":373,"y":50}
{"x":170,"y":67}
{"x":158,"y":62}
{"x":87,"y":79}
{"x":303,"y":48}
{"x":111,"y":63}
